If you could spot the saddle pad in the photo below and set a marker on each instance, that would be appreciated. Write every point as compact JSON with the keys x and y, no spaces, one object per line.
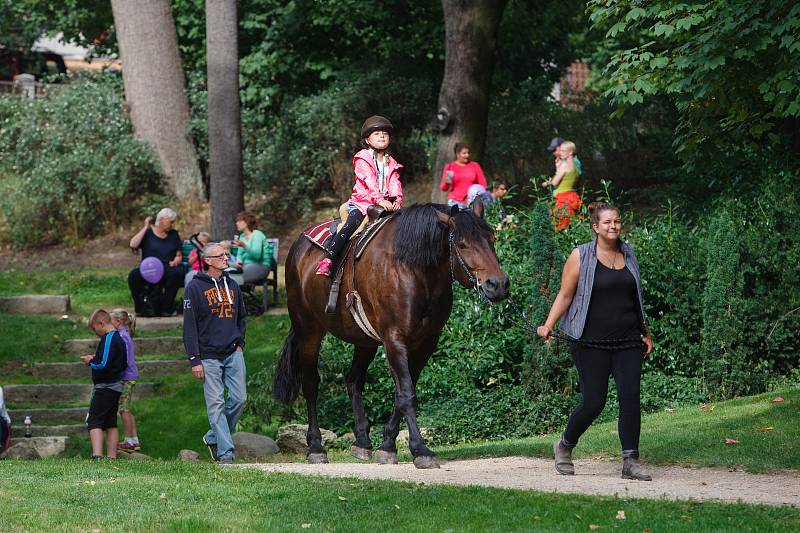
{"x":319,"y":233}
{"x":369,"y":233}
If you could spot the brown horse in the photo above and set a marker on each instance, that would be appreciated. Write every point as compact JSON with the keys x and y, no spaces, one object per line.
{"x":405,"y":281}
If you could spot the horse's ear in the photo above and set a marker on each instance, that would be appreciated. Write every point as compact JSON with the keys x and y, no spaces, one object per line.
{"x":454,"y":210}
{"x":477,"y":207}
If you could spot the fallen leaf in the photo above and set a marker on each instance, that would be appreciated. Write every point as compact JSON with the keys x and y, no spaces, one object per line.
{"x":669,"y":410}
{"x":342,"y":498}
{"x":646,"y":530}
{"x":162,"y":496}
{"x":598,"y":457}
{"x":777,"y":399}
{"x":729,"y":440}
{"x":684,"y":517}
{"x":594,"y":527}
{"x":578,"y":517}
{"x":537,"y":517}
{"x":621,"y":515}
{"x":396,"y":506}
{"x":92,"y":483}
{"x":305,"y":526}
{"x":764,"y":429}
{"x":491,"y":381}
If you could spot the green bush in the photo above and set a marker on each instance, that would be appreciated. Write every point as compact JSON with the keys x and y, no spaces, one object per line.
{"x":70,"y":164}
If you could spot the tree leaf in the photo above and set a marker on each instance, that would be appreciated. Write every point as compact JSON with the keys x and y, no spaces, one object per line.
{"x":729,"y":440}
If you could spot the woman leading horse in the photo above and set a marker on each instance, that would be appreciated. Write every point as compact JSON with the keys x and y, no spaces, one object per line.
{"x":404,"y":279}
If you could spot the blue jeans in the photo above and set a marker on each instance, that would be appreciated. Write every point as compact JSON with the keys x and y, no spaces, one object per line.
{"x":223,"y":415}
{"x":451,"y":203}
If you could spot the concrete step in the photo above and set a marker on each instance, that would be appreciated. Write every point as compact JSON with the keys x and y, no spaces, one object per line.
{"x":57,"y":393}
{"x":45,"y":416}
{"x":79,"y":370}
{"x":53,"y":431}
{"x":145,"y":345}
{"x":35,"y":304}
{"x":158,"y":323}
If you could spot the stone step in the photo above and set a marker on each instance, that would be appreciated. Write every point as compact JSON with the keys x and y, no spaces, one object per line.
{"x":53,"y":431}
{"x":57,"y":393}
{"x":80,"y":370}
{"x":158,"y":323}
{"x":44,"y":416}
{"x":35,"y":304}
{"x":148,"y":345}
{"x":36,"y":447}
{"x":277,"y":311}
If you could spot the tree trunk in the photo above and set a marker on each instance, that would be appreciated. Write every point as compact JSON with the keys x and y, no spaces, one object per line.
{"x":224,"y":124}
{"x":155,"y":90}
{"x":471,"y":28}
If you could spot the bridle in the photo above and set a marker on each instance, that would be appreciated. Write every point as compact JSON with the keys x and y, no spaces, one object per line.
{"x":474,"y":282}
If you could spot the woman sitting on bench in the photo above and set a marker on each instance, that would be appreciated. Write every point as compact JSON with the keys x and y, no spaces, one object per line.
{"x":254,"y":257}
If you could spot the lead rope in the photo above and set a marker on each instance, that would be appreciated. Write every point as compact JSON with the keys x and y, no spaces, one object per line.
{"x":525,"y":323}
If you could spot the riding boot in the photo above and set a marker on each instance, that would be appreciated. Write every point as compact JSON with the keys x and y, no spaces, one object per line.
{"x":632,"y":470}
{"x":563,"y":456}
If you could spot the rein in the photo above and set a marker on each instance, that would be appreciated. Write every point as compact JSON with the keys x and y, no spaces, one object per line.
{"x":522,"y":320}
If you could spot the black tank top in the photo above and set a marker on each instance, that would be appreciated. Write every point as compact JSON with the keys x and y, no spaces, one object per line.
{"x":613,"y":306}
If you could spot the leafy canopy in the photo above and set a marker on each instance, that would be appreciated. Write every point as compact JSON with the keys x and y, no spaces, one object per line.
{"x":731,"y":67}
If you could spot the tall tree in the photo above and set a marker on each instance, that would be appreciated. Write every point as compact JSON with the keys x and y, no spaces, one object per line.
{"x":471,"y":28}
{"x":155,"y":89}
{"x":224,"y":122}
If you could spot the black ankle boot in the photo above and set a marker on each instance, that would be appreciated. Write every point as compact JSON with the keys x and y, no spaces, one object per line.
{"x":632,"y":470}
{"x":563,"y":456}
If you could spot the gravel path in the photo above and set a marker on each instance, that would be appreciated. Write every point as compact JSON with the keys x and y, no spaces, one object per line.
{"x":593,"y":477}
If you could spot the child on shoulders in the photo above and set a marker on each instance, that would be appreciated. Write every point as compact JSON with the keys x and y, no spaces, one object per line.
{"x":377,"y":183}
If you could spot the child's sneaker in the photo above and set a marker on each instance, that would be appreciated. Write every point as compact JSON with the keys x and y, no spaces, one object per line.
{"x":128,"y":447}
{"x":324,"y":267}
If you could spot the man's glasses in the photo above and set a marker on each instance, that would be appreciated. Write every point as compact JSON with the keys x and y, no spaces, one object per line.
{"x":217,"y":256}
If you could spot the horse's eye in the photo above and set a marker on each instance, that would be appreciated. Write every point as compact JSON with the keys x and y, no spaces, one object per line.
{"x":462,"y":246}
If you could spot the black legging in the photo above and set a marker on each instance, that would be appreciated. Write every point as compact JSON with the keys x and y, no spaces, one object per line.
{"x":345,"y":232}
{"x":167,"y":288}
{"x":594,"y":367}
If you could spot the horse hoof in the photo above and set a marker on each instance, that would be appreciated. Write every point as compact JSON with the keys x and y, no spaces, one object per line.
{"x":385,"y":458}
{"x":425,"y":462}
{"x":317,"y":458}
{"x":362,"y":454}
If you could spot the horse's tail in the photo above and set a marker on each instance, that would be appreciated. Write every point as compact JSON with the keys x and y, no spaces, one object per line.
{"x":286,"y":385}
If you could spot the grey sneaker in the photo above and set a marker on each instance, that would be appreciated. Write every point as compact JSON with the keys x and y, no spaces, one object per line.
{"x":563,"y":456}
{"x":632,"y":470}
{"x":226,"y":461}
{"x":212,"y":449}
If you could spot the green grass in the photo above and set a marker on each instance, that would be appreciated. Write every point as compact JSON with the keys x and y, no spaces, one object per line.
{"x":688,"y":435}
{"x":88,"y":288}
{"x":77,"y":495}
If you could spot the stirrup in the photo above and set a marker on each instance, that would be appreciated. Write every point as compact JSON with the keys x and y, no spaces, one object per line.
{"x":324,"y":267}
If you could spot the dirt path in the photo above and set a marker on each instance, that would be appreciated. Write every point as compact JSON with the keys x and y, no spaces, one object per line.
{"x":593,"y":477}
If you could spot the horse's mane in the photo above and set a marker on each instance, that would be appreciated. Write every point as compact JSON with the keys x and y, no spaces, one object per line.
{"x":420,"y":235}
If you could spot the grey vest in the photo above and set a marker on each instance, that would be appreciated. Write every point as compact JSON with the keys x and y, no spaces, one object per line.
{"x":574,"y":319}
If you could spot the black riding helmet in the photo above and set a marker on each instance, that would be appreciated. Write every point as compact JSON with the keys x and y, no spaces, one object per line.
{"x":376,"y":123}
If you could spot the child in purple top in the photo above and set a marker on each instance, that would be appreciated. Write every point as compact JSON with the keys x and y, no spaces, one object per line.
{"x":126,"y":327}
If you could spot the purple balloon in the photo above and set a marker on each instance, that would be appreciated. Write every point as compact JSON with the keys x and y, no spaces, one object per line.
{"x":152,"y":269}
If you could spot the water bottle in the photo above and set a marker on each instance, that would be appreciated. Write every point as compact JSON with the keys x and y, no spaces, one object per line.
{"x":27,"y":427}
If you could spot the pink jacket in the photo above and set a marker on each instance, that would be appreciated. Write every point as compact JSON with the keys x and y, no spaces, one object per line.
{"x":366,"y":191}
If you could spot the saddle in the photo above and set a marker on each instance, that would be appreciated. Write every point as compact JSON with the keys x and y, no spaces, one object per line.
{"x":376,"y":218}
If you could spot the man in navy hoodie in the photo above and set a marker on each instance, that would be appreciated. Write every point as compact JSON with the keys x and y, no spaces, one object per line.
{"x":213,"y":335}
